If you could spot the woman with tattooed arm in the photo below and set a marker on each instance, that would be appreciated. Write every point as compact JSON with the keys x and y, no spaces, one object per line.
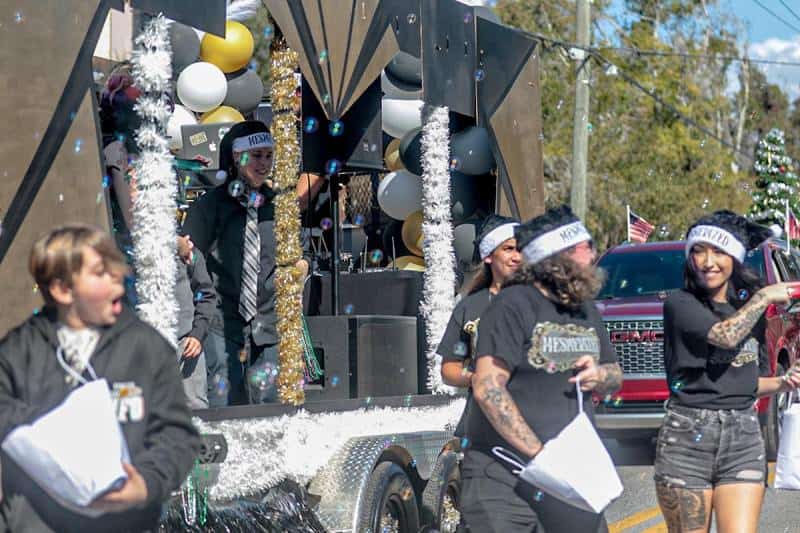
{"x":539,"y":334}
{"x":710,"y":452}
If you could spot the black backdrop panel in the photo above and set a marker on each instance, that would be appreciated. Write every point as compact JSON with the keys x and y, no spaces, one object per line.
{"x":360,"y":144}
{"x":371,"y":293}
{"x":364,"y":356}
{"x":448,"y":55}
{"x":205,"y":15}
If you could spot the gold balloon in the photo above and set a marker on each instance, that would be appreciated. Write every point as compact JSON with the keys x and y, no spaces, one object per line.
{"x":392,"y":156}
{"x":222,"y":113}
{"x":412,"y":233}
{"x":231,"y":53}
{"x":410,"y":262}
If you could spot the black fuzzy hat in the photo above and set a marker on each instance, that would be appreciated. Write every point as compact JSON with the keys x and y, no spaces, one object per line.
{"x":493,"y":231}
{"x":551,"y":232}
{"x":731,"y":233}
{"x":238,"y":131}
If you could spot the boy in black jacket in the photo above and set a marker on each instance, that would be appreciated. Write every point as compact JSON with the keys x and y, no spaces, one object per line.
{"x":79,"y":272}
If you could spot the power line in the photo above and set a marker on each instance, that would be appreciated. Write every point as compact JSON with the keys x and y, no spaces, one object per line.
{"x":649,"y":93}
{"x":687,"y":55}
{"x":672,"y":109}
{"x":789,"y":9}
{"x":771,"y":12}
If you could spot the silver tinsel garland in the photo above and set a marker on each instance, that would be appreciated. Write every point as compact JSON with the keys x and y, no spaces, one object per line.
{"x":439,"y":278}
{"x":264,"y":451}
{"x":154,"y":187}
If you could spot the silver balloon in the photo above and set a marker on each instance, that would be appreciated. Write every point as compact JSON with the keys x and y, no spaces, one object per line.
{"x":463,"y":241}
{"x":244,"y":91}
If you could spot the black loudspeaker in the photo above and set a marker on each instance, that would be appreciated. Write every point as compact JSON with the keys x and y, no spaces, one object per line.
{"x":364,"y":355}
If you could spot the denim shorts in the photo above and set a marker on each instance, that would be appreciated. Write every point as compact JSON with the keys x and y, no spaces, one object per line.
{"x":702,"y":448}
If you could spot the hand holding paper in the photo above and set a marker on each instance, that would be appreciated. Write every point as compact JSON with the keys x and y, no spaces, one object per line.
{"x":132,"y":494}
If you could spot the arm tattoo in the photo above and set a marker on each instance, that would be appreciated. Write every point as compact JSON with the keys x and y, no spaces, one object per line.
{"x":612,"y":379}
{"x":683,"y":509}
{"x":729,"y":333}
{"x":504,"y":415}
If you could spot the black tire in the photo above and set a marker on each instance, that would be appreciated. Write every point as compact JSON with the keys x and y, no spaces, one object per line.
{"x":442,"y":495}
{"x":389,"y":502}
{"x":772,"y":425}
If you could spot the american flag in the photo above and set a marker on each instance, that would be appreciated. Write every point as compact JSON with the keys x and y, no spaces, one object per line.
{"x":792,"y":225}
{"x":638,"y":228}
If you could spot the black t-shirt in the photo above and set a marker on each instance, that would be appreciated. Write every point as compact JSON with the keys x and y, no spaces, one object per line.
{"x":700,"y":374}
{"x":539,"y":341}
{"x":460,"y":337}
{"x":460,"y":340}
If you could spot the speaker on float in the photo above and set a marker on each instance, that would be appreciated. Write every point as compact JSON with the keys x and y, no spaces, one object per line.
{"x":364,"y":355}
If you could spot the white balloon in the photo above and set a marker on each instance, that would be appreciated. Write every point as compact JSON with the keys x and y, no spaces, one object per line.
{"x":400,"y":194}
{"x":202,"y":86}
{"x":180,"y":117}
{"x":392,"y":90}
{"x":401,"y":116}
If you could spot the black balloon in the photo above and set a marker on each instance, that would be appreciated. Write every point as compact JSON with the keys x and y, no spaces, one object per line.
{"x":463,"y":196}
{"x":405,"y":68}
{"x":411,"y":151}
{"x":472,"y":151}
{"x":185,"y":47}
{"x":245,"y":91}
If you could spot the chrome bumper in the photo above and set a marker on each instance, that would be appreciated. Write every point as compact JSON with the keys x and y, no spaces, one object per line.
{"x":628,"y":421}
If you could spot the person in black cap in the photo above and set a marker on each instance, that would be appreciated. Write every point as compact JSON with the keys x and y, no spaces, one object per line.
{"x":538,"y":336}
{"x":233,"y":226}
{"x":710,"y":451}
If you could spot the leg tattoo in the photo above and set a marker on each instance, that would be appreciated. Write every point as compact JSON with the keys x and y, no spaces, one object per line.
{"x":683,"y":509}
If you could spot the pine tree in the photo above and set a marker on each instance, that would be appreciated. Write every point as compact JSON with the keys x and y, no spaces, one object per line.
{"x":776,"y":181}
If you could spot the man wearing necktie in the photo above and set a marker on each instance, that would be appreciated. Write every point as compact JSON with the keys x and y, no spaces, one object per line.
{"x":233,"y":226}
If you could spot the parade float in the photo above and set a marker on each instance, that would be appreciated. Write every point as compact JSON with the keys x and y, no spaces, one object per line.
{"x":434,"y":100}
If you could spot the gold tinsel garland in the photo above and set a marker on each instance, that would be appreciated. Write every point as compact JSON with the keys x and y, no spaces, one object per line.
{"x":288,"y":277}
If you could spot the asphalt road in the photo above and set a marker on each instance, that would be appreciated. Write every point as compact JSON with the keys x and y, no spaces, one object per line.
{"x":636,"y":511}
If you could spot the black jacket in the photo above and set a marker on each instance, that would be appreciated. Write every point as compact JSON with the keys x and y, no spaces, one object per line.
{"x":197,"y":299}
{"x":163,"y":444}
{"x":215,"y":223}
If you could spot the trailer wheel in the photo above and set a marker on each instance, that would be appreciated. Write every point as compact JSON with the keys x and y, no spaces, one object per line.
{"x":772,"y":425}
{"x":389,"y":503}
{"x":442,"y":495}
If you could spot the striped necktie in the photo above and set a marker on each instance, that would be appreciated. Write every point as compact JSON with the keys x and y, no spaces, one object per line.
{"x":250,"y":266}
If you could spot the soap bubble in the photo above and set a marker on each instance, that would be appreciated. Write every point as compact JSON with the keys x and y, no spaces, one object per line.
{"x":310,"y":125}
{"x":743,"y":294}
{"x":336,"y":128}
{"x":375,"y":257}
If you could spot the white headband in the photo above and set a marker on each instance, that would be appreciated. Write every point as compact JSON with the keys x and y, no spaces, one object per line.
{"x":555,"y":241}
{"x":716,"y":236}
{"x":251,"y":142}
{"x":495,"y":238}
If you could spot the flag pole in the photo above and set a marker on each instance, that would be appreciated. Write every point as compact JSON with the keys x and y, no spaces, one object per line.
{"x":786,"y":228}
{"x":628,"y":220}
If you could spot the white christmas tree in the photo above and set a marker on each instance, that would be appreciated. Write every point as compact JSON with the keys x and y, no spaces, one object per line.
{"x":776,"y":182}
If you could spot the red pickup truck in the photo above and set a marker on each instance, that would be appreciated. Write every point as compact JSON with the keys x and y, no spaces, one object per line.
{"x":639,"y":278}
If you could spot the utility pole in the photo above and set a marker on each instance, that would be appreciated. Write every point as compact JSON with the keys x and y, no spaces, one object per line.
{"x":580,"y":134}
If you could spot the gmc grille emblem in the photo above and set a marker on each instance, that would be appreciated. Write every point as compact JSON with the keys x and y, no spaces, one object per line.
{"x":651,"y":335}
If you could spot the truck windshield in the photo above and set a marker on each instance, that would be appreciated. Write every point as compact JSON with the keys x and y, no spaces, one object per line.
{"x":641,"y":273}
{"x":651,"y":272}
